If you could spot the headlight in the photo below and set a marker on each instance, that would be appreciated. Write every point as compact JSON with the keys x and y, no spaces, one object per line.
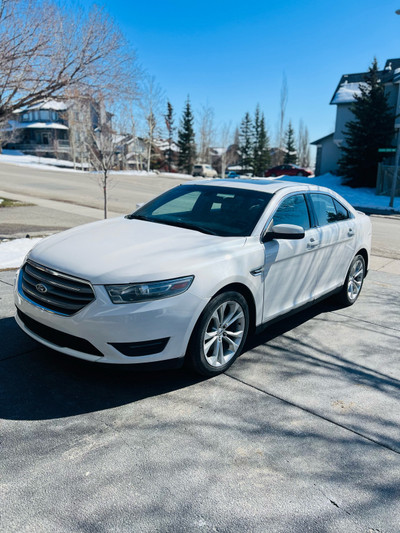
{"x":142,"y":292}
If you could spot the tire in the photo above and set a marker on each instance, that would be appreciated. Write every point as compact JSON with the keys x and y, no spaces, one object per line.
{"x":214,"y":346}
{"x":353,"y":284}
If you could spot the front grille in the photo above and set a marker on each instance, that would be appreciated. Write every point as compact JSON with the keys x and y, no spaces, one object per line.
{"x":63,"y":340}
{"x":53,"y":290}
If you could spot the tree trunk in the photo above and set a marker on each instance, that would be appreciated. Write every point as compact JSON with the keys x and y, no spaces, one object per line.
{"x":105,"y":192}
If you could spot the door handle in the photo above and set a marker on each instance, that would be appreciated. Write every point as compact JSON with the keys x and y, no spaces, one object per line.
{"x":312,"y":243}
{"x":350,"y":233}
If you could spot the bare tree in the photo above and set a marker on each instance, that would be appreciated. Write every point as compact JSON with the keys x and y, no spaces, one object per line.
{"x":282,"y":112}
{"x":9,"y":132}
{"x":303,"y":146}
{"x":100,"y":141}
{"x":46,"y":49}
{"x":151,"y":103}
{"x":206,"y":133}
{"x":229,"y":152}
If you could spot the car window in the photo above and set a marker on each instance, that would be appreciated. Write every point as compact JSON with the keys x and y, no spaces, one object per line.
{"x":341,"y":212}
{"x":293,"y":210}
{"x":327,"y":209}
{"x":182,"y":204}
{"x":223,"y":211}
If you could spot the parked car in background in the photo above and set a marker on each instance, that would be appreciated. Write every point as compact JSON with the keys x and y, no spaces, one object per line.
{"x":204,"y":171}
{"x":232,"y":174}
{"x":186,"y":276}
{"x":287,"y":170}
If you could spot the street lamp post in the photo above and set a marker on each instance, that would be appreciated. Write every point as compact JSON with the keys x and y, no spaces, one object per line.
{"x":396,"y":169}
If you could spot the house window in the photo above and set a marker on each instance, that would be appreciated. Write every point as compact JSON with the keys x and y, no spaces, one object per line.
{"x":45,"y":138}
{"x":25,"y":117}
{"x":44,"y":114}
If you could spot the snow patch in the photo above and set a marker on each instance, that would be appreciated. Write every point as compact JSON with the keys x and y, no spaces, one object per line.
{"x":347,"y":92}
{"x":362,"y":198}
{"x":12,"y":253}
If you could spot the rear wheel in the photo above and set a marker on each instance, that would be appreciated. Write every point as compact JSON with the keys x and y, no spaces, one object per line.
{"x":219,"y":335}
{"x":353,"y":283}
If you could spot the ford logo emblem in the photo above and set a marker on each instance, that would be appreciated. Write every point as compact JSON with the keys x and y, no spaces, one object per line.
{"x":41,"y":288}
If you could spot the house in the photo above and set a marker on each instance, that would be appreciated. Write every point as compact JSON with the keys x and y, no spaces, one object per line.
{"x":328,"y":147}
{"x":57,"y":128}
{"x":41,"y":129}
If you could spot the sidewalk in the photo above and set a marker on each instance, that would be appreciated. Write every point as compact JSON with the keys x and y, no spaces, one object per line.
{"x":384,"y":264}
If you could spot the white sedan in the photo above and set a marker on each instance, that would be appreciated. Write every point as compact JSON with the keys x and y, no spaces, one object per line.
{"x":188,"y":275}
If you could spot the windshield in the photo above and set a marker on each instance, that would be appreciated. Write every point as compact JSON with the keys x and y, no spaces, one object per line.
{"x":223,"y":211}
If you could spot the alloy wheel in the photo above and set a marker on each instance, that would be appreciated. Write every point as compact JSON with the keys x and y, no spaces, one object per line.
{"x":356,"y":276}
{"x":224,"y":333}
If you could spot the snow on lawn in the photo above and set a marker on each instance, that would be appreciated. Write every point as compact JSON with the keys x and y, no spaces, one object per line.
{"x":12,"y":253}
{"x":19,"y":158}
{"x":48,"y":163}
{"x":362,"y":198}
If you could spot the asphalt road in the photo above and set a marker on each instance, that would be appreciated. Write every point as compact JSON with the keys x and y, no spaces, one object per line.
{"x":83,"y":188}
{"x":301,"y":434}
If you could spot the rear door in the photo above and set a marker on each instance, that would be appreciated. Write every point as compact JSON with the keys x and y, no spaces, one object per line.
{"x":336,"y":228}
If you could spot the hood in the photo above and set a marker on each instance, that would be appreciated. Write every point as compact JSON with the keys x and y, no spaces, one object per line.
{"x":120,"y":250}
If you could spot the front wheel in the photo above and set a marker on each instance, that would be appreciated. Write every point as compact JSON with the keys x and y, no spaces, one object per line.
{"x":354,"y":281}
{"x":219,"y":334}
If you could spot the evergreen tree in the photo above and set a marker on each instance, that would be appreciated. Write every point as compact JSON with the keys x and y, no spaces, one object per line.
{"x":290,"y":146}
{"x":261,"y":154}
{"x":371,"y":129}
{"x":169,"y":121}
{"x":186,"y":140}
{"x":246,"y":141}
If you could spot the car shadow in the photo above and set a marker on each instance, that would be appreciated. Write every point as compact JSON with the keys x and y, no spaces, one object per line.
{"x":37,"y":383}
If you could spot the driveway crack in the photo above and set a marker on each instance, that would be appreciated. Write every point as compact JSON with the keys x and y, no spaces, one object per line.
{"x":316,"y":414}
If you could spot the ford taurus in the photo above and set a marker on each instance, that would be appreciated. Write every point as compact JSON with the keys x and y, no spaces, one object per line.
{"x":188,"y":275}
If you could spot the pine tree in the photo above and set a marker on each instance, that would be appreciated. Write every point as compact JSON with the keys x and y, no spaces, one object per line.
{"x":290,"y":146}
{"x":261,"y":154}
{"x":186,"y":140}
{"x":169,"y":121}
{"x":372,"y":128}
{"x":246,"y":141}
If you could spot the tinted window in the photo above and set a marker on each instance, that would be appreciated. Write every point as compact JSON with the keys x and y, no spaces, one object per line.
{"x":341,"y":212}
{"x":223,"y":211}
{"x":293,"y":210}
{"x":328,"y":210}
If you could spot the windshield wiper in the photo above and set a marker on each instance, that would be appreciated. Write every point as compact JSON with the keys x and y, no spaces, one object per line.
{"x":177,"y":223}
{"x":187,"y":225}
{"x":138,"y":217}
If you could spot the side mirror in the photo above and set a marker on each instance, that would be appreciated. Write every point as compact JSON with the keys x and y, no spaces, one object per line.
{"x":284,"y":231}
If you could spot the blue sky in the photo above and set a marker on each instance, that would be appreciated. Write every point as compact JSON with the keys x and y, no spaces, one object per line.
{"x":231,"y":56}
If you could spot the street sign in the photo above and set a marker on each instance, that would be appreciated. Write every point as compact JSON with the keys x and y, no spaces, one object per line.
{"x":387,"y":150}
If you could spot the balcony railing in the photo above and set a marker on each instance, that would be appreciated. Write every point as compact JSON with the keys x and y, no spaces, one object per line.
{"x":56,"y":146}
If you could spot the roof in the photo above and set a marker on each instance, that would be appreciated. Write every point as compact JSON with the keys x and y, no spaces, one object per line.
{"x":319,"y":141}
{"x":54,"y":105}
{"x":256,"y":184}
{"x":41,"y":125}
{"x":349,"y":84}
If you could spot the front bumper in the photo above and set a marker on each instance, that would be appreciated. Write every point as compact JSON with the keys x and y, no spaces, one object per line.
{"x":113,"y":330}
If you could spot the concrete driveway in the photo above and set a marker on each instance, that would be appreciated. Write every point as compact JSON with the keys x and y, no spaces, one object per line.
{"x":301,"y":434}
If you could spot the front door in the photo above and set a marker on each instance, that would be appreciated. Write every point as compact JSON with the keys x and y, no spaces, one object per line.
{"x":290,"y":271}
